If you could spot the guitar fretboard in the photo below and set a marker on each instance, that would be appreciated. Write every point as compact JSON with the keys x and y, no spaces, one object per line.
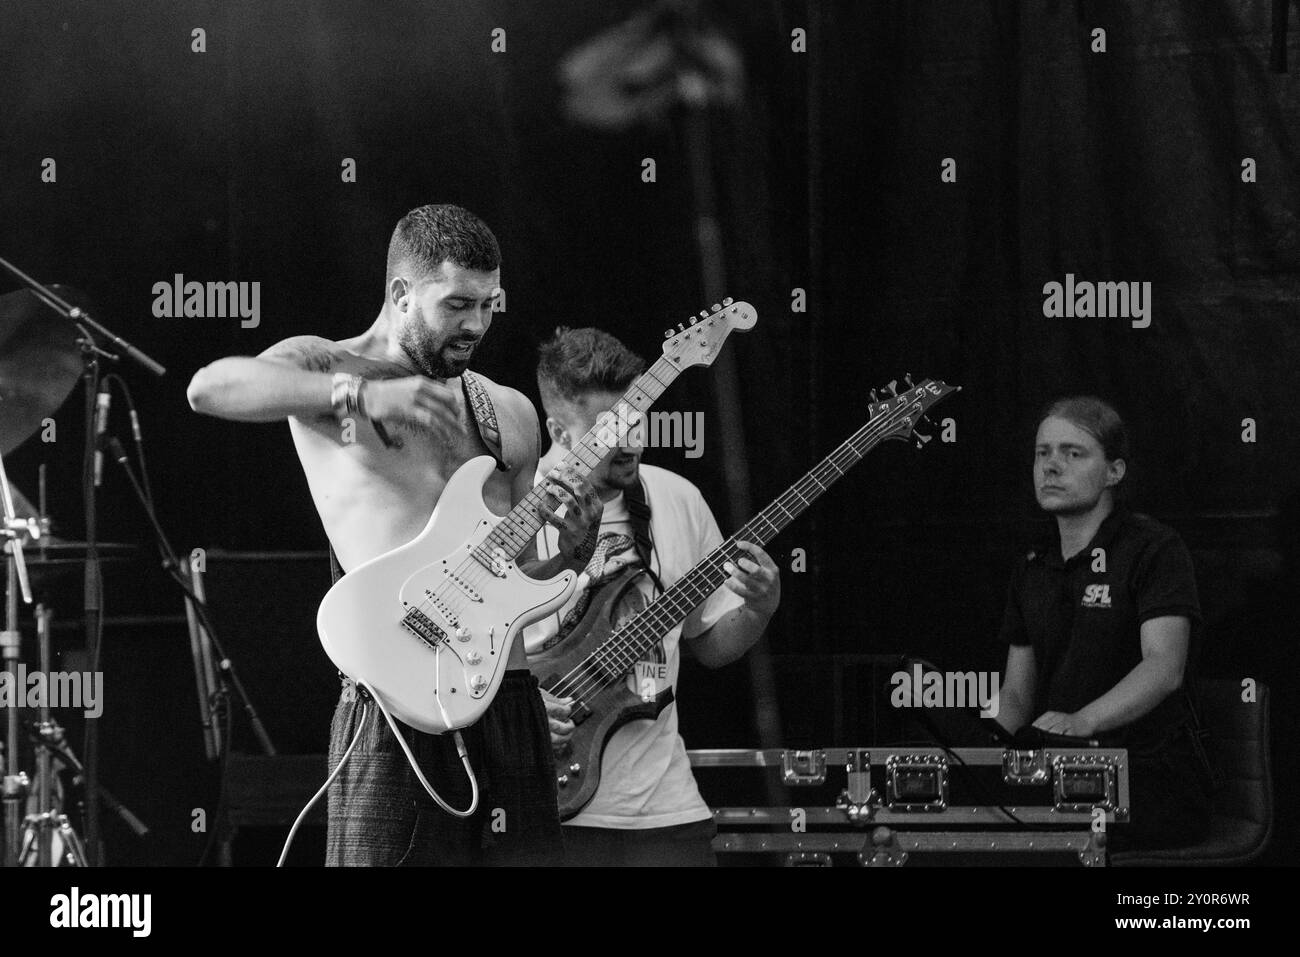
{"x":626,"y":646}
{"x":513,"y":533}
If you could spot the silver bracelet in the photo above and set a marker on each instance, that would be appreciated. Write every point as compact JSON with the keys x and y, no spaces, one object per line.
{"x":345,"y":395}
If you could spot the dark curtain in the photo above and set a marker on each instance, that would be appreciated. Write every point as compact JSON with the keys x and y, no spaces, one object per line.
{"x":1123,"y":166}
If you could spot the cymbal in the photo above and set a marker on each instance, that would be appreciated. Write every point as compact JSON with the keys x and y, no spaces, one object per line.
{"x":40,"y":362}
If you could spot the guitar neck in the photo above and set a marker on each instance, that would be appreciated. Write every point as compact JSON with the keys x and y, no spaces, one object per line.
{"x":627,"y":646}
{"x":513,"y":533}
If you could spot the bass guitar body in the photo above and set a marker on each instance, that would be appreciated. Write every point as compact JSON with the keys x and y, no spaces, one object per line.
{"x":574,"y":668}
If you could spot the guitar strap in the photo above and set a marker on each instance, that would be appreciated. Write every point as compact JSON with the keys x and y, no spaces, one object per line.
{"x":638,"y":510}
{"x":489,"y":430}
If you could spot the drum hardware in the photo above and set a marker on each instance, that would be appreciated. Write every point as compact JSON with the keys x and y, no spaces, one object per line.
{"x":41,"y":359}
{"x":15,"y":532}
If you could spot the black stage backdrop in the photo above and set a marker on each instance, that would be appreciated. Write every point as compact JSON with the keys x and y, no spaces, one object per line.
{"x":1122,"y":165}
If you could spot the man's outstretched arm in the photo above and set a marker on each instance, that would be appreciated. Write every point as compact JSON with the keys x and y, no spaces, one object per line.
{"x":292,"y":378}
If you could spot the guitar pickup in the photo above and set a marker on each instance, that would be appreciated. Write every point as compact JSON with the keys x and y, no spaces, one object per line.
{"x":469,"y":590}
{"x":423,"y":627}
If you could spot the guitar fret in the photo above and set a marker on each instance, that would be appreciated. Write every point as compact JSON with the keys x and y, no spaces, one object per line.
{"x":637,"y":635}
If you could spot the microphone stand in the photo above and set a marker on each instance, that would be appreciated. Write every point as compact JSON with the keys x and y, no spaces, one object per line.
{"x":225,"y":667}
{"x":91,"y":352}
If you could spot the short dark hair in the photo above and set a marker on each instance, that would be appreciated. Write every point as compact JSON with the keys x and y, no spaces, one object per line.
{"x":427,"y":237}
{"x":574,"y":362}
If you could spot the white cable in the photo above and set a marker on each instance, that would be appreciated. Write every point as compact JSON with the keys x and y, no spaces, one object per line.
{"x":460,"y":749}
{"x":302,"y":815}
{"x":365,"y":715}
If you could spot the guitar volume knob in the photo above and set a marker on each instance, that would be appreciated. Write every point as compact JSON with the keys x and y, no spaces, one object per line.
{"x":575,"y":769}
{"x":478,"y":683}
{"x":461,"y":633}
{"x":562,"y":780}
{"x":473,"y":658}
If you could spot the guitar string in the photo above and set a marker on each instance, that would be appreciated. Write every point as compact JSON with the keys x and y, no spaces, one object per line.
{"x":608,"y":663}
{"x":480,"y":573}
{"x":472,"y":569}
{"x":477,"y":572}
{"x":633,"y":635}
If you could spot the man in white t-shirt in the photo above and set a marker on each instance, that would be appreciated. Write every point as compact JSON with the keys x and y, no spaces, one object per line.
{"x":647,"y":809}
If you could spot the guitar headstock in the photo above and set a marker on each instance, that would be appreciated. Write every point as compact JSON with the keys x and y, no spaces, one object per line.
{"x":902,"y":413}
{"x":696,"y":341}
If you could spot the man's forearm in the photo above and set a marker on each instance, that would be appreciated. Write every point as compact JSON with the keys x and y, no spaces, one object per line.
{"x":257,"y":390}
{"x":1150,"y":682}
{"x":1014,"y":711}
{"x":730,"y":638}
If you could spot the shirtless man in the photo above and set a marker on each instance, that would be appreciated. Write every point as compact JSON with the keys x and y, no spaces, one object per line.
{"x":381,"y":421}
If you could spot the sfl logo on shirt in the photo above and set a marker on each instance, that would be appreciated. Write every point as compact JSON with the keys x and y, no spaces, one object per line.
{"x":1096,"y":596}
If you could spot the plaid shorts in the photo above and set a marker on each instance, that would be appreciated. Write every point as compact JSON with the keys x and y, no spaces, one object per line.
{"x":380,"y":815}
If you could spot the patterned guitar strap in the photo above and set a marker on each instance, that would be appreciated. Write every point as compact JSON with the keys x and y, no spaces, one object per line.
{"x":485,"y":418}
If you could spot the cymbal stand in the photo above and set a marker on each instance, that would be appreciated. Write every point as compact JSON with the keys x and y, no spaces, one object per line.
{"x":16,"y":783}
{"x":41,"y":827}
{"x":92,"y":333}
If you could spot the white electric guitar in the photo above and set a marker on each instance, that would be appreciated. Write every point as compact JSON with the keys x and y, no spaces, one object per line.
{"x":429,"y":626}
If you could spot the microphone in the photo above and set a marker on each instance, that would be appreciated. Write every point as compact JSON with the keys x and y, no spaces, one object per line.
{"x":102,"y":403}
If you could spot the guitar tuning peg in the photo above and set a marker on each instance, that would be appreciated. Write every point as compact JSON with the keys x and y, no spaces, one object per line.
{"x":875,"y":399}
{"x":908,"y":379}
{"x":728,"y":301}
{"x":694,"y":320}
{"x":717,"y":307}
{"x":704,"y":314}
{"x":668,"y":333}
{"x":893,"y":387}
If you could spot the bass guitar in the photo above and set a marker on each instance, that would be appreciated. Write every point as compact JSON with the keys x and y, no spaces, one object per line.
{"x":592,"y":663}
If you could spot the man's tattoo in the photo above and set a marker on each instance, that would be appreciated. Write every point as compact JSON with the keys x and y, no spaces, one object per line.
{"x":305,"y":355}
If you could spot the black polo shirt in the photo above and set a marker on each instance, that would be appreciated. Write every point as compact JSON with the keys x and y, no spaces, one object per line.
{"x":1084,"y":622}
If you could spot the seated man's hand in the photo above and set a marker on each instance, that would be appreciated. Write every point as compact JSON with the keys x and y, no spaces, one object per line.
{"x":1057,"y":722}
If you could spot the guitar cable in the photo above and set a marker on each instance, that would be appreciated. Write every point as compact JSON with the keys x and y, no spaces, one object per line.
{"x":401,"y":740}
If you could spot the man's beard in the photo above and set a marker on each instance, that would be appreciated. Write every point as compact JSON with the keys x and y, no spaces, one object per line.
{"x":624,"y":480}
{"x":423,"y":348}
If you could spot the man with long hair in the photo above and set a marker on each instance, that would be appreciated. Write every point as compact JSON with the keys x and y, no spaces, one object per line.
{"x":1099,"y":625}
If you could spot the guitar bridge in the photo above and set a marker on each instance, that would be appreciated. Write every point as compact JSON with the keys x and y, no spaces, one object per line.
{"x":423,"y":627}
